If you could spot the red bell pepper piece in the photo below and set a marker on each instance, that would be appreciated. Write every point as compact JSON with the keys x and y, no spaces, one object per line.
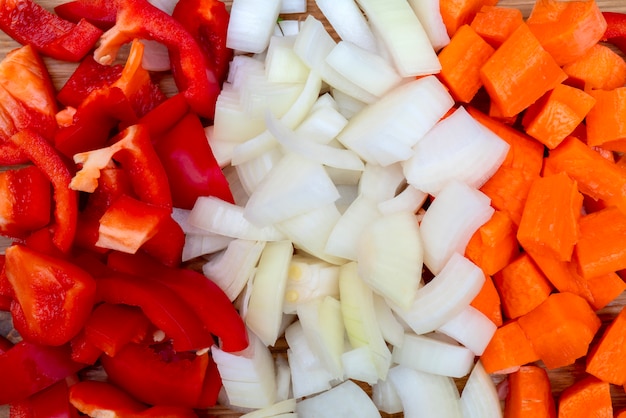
{"x":50,"y":402}
{"x":26,"y":201}
{"x":134,"y":151}
{"x":100,"y":13}
{"x":207,"y":21}
{"x":53,"y":297}
{"x":41,"y":241}
{"x":83,"y":350}
{"x":615,"y":32}
{"x":44,"y":156}
{"x":163,"y":117}
{"x":167,"y":245}
{"x":157,"y":375}
{"x":27,"y":97}
{"x":190,"y":164}
{"x":165,"y":309}
{"x":29,"y":23}
{"x":139,"y":19}
{"x":201,"y":294}
{"x":5,"y":345}
{"x":87,"y":77}
{"x":27,"y":368}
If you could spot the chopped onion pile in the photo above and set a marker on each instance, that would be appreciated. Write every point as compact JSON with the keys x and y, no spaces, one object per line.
{"x":332,"y":149}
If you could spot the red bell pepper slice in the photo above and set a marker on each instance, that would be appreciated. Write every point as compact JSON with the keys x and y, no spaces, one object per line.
{"x":25,"y":201}
{"x":167,"y":245}
{"x":53,"y":297}
{"x":163,"y":117}
{"x":100,"y":13}
{"x":157,"y":375}
{"x":165,"y":309}
{"x":83,"y":350}
{"x":87,"y":77}
{"x":44,"y":156}
{"x":29,"y":23}
{"x":190,"y":164}
{"x":206,"y":298}
{"x":615,"y":32}
{"x":50,"y":402}
{"x":27,"y":368}
{"x":140,"y":19}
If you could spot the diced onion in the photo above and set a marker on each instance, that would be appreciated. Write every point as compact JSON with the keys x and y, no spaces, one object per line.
{"x":429,"y":15}
{"x":251,"y":24}
{"x":292,"y":6}
{"x":348,"y":21}
{"x":278,"y":409}
{"x":479,"y":398}
{"x":386,"y":398}
{"x":282,"y":65}
{"x":390,"y":326}
{"x":346,"y":400}
{"x":309,"y":278}
{"x":471,"y":328}
{"x":357,"y":364}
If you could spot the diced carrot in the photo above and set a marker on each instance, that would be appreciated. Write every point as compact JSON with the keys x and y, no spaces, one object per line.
{"x":460,"y":62}
{"x":520,"y":72}
{"x":599,"y":68}
{"x":487,"y":301}
{"x":560,"y":329}
{"x":595,"y":175}
{"x":495,"y":23}
{"x":566,"y":29}
{"x":549,"y":223}
{"x":530,"y":394}
{"x":588,"y":397}
{"x":456,"y":13}
{"x":521,"y":286}
{"x":601,"y":248}
{"x":508,"y":349}
{"x":606,"y":122}
{"x":605,"y":289}
{"x":494,"y":244}
{"x":555,"y":116}
{"x":606,"y":357}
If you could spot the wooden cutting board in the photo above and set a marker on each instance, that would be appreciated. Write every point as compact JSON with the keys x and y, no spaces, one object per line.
{"x":561,"y":378}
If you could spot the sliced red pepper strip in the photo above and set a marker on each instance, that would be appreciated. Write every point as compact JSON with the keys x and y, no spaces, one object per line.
{"x":44,"y":156}
{"x":615,"y":32}
{"x":207,"y":21}
{"x":157,"y":375}
{"x":161,"y":305}
{"x":201,"y":294}
{"x":41,"y":241}
{"x":100,"y":13}
{"x":191,"y":167}
{"x":163,"y":117}
{"x":139,"y":19}
{"x":87,"y":77}
{"x":53,"y":297}
{"x":27,"y":368}
{"x":167,"y":245}
{"x":29,"y":23}
{"x":26,"y":201}
{"x":83,"y":350}
{"x":50,"y":402}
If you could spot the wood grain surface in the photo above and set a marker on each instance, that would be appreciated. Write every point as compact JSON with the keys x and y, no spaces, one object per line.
{"x":561,"y":378}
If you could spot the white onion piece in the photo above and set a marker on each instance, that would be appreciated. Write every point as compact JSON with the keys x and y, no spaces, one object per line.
{"x":309,"y":375}
{"x":252,"y":171}
{"x":425,"y":395}
{"x":293,"y":187}
{"x":322,"y":125}
{"x":309,"y":278}
{"x":403,"y":35}
{"x":309,"y":232}
{"x":391,"y":328}
{"x":287,"y":27}
{"x":347,"y":105}
{"x":265,"y":307}
{"x":429,"y":15}
{"x":471,"y":328}
{"x":381,"y":183}
{"x":292,"y":6}
{"x":386,"y":398}
{"x":222,"y":150}
{"x":359,"y":317}
{"x":155,"y":56}
{"x":479,"y":398}
{"x":458,"y":147}
{"x":320,"y":153}
{"x":199,"y":245}
{"x":278,"y":409}
{"x":451,"y":220}
{"x":348,"y":22}
{"x":348,"y":192}
{"x":410,"y":199}
{"x":282,"y":65}
{"x":181,"y":216}
{"x":389,"y":257}
{"x":385,"y":131}
{"x":220,"y":217}
{"x":433,"y":356}
{"x":283,"y":379}
{"x":234,"y":267}
{"x":240,"y":196}
{"x":346,"y":400}
{"x":229,"y":116}
{"x":251,"y":24}
{"x":346,"y":234}
{"x":358,"y":365}
{"x":248,"y":376}
{"x":165,"y":5}
{"x":322,"y":324}
{"x":364,"y":68}
{"x":445,"y":296}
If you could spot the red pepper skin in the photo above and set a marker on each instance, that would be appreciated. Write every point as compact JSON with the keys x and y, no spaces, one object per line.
{"x":139,"y":19}
{"x":44,"y":156}
{"x":53,"y":297}
{"x":83,"y":350}
{"x":191,"y":168}
{"x":167,"y":245}
{"x":207,"y":21}
{"x":110,"y":327}
{"x":163,"y":117}
{"x":87,"y":77}
{"x":201,"y":294}
{"x":165,"y":309}
{"x":29,"y":23}
{"x":100,"y":13}
{"x":615,"y":32}
{"x":25,"y":201}
{"x":50,"y":402}
{"x":27,"y":368}
{"x":157,"y":375}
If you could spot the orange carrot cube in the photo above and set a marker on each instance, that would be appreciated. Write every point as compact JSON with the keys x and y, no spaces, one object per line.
{"x":606,"y":122}
{"x":487,"y":301}
{"x":600,"y":68}
{"x":530,"y":394}
{"x":495,"y":23}
{"x":606,"y":358}
{"x":588,"y":397}
{"x":508,"y":349}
